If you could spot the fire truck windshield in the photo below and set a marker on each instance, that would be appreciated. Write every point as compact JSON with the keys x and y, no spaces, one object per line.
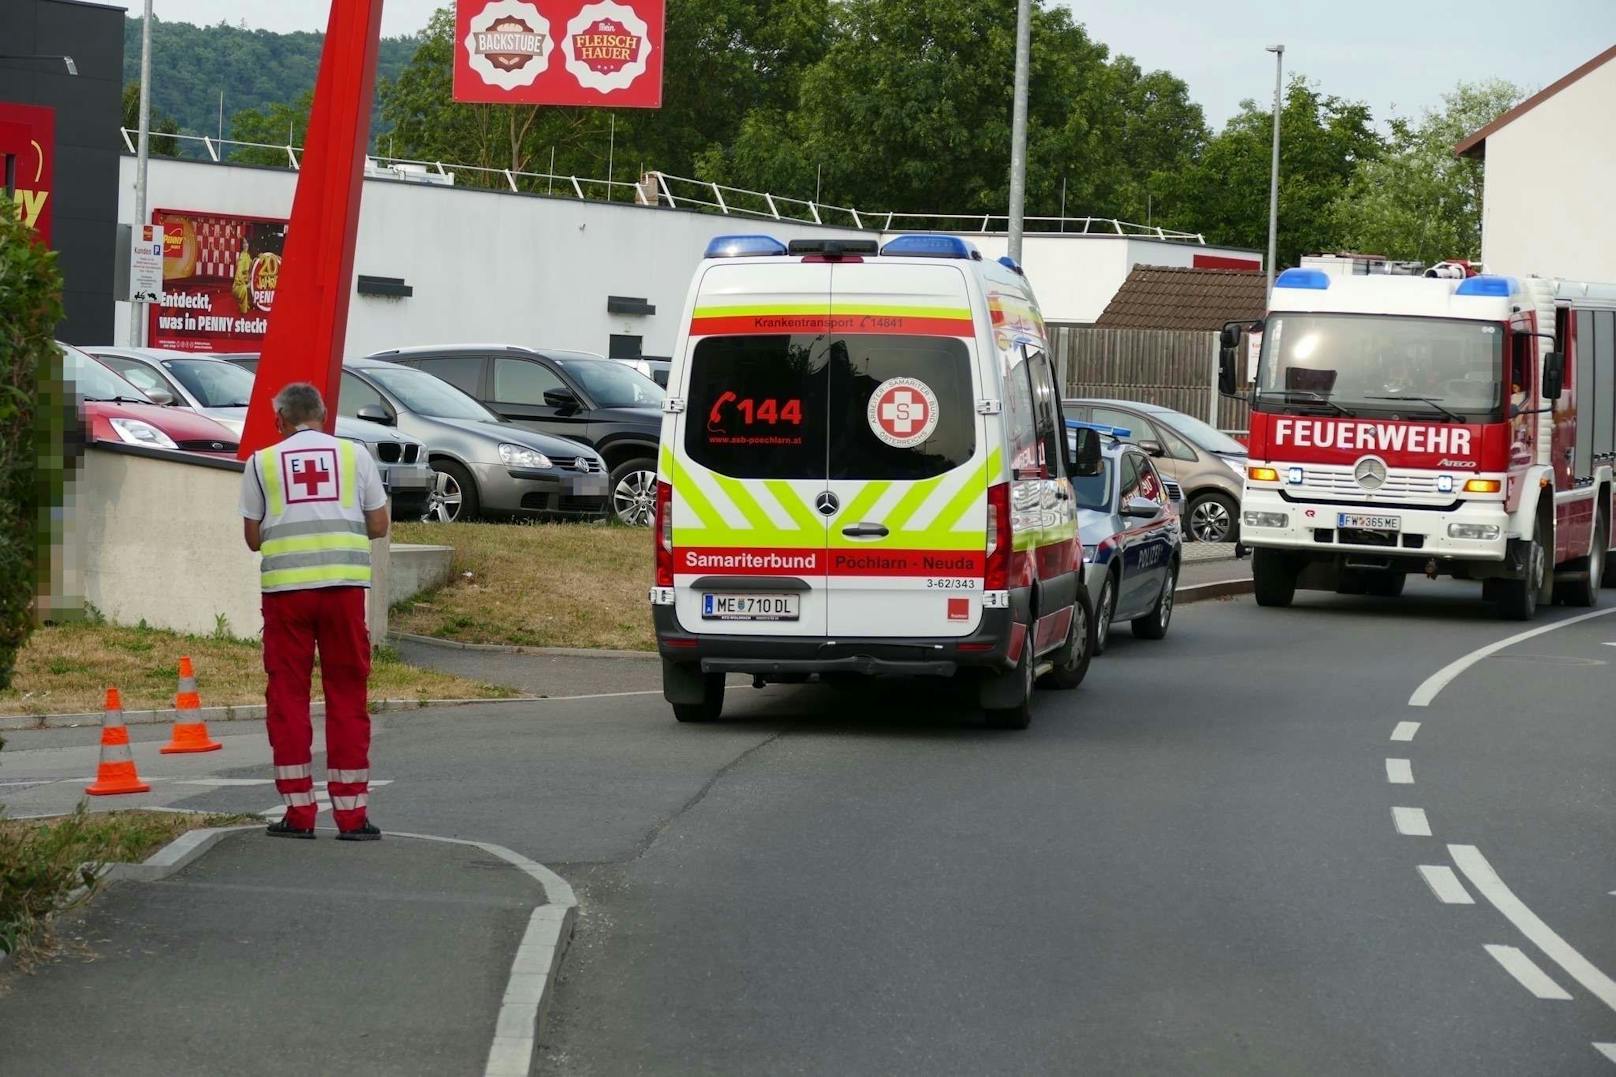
{"x":1433,"y":368}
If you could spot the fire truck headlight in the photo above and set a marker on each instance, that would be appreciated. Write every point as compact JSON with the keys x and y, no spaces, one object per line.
{"x":1294,"y":476}
{"x":1262,"y":474}
{"x":1479,"y":532}
{"x":1266,"y":519}
{"x":1444,"y":484}
{"x":1482,"y":486}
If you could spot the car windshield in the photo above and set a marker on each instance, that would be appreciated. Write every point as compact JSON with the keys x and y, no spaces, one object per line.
{"x":1435,"y":368}
{"x":92,"y":381}
{"x":614,"y":385}
{"x":426,"y":395}
{"x":1201,"y":433}
{"x":1094,"y":491}
{"x":214,"y":383}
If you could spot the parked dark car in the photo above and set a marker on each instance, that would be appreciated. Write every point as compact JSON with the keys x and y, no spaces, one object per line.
{"x":604,"y":403}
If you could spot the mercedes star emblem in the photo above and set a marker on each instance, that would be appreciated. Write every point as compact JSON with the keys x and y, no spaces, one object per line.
{"x":1370,"y":473}
{"x":827,"y":504}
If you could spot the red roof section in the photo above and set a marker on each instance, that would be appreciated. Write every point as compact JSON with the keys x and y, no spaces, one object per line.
{"x":1173,"y":297}
{"x":1475,"y":145}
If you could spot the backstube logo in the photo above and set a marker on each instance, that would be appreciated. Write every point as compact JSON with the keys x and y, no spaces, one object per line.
{"x":509,"y":44}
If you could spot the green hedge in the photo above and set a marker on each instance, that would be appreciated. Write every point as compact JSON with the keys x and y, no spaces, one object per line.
{"x":31,"y":421}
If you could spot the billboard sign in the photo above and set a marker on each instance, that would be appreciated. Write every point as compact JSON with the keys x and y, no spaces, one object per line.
{"x":219,"y":277}
{"x":27,"y":156}
{"x":601,"y":53}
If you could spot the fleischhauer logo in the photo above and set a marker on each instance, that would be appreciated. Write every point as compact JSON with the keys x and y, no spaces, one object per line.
{"x":607,"y":46}
{"x":509,"y":44}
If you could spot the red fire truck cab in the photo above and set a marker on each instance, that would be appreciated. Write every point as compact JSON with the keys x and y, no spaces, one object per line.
{"x":1459,"y":427}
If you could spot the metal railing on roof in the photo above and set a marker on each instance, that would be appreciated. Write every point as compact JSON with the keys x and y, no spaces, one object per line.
{"x":678,"y":192}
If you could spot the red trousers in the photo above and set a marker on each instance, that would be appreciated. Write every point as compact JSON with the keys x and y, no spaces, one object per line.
{"x":295,"y":623}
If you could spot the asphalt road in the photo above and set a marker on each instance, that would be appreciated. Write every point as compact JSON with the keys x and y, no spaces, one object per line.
{"x":1190,"y":864}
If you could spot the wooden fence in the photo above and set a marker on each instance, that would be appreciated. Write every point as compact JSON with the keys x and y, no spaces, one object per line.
{"x":1174,"y":368}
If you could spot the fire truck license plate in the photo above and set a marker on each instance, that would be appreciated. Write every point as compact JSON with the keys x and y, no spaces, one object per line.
{"x":751,"y":607}
{"x":1360,"y":522}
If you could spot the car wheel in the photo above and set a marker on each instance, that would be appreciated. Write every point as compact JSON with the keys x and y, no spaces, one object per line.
{"x":1104,"y":607}
{"x":1153,"y":625}
{"x":1018,"y":713}
{"x":711,"y":705}
{"x":455,"y":496}
{"x":633,"y":485}
{"x":1214,"y":517}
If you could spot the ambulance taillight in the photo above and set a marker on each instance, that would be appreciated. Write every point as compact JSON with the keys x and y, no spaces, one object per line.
{"x":1001,"y":543}
{"x":662,"y":527}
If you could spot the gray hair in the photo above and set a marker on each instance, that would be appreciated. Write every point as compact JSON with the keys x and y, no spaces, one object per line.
{"x":300,"y":404}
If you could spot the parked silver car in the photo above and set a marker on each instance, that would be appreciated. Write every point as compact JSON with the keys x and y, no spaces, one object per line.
{"x":222,"y":390}
{"x":485,"y":465}
{"x":1207,"y":463}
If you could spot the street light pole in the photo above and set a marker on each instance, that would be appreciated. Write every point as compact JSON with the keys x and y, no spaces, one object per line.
{"x":137,"y":311}
{"x":1273,"y":173}
{"x":1018,"y":129}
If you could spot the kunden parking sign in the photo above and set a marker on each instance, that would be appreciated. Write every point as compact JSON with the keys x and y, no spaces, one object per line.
{"x":604,"y":53}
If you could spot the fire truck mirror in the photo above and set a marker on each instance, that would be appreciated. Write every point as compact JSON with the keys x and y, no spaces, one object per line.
{"x":1553,"y":375}
{"x":1228,"y":358}
{"x":1230,"y":336}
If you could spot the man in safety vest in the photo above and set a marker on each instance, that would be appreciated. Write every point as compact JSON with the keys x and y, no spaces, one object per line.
{"x":311,"y":504}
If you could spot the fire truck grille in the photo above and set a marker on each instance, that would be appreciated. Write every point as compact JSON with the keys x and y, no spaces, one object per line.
{"x":1339,"y":481}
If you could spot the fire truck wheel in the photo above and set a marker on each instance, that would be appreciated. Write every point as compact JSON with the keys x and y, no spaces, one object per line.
{"x":1585,"y":591}
{"x":1273,"y":578}
{"x":1517,"y":599}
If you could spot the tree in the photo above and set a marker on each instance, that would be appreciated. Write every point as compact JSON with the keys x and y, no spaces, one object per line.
{"x":1421,"y":202}
{"x":30,"y":425}
{"x":273,"y":126}
{"x":159,"y":125}
{"x":1324,"y":140}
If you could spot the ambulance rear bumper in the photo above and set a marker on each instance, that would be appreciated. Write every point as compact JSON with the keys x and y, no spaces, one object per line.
{"x":986,"y":648}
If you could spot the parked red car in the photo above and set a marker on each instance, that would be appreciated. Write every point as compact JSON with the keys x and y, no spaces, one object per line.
{"x":114,"y":410}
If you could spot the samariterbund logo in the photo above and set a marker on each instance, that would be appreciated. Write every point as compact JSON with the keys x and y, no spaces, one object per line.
{"x":509,"y":44}
{"x":607,"y":46}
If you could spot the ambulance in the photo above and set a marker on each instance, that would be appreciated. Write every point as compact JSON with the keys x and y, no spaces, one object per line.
{"x":863,"y":473}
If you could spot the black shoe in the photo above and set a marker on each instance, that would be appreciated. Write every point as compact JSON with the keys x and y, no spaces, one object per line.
{"x":284,"y":830}
{"x":366,"y":831}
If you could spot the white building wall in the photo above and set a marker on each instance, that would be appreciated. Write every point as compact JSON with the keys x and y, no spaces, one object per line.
{"x":1548,"y":207}
{"x":489,"y":266}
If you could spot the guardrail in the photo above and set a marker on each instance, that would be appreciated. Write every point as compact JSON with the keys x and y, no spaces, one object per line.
{"x":679,"y":192}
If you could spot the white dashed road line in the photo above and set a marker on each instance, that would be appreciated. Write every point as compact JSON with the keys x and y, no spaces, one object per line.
{"x":1607,"y":1049}
{"x":1525,"y":970}
{"x":1411,"y":821}
{"x":1400,"y":772}
{"x":1405,"y":730}
{"x":1439,"y":680}
{"x":1486,"y":880}
{"x":1445,"y":884}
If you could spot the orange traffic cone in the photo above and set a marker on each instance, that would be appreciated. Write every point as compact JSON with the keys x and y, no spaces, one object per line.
{"x":190,"y":731}
{"x":116,"y":773}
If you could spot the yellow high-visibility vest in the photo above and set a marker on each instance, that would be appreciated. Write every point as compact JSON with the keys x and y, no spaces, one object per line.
{"x":311,"y":543}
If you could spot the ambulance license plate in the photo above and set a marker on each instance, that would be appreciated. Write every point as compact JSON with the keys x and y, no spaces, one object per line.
{"x":1359,"y":522}
{"x":716,"y":607}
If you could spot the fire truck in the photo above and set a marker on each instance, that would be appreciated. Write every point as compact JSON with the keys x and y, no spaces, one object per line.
{"x":1455,"y":424}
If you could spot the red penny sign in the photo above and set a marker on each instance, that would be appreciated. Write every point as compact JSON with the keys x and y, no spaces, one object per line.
{"x":903,"y":412}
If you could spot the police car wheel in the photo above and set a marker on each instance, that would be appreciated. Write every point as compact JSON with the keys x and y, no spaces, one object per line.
{"x":1104,"y":607}
{"x":1072,"y":660}
{"x":1153,"y":625}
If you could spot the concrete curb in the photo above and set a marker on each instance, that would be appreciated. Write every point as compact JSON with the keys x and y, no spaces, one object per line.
{"x":506,"y":648}
{"x":1201,"y":592}
{"x":245,"y":712}
{"x":173,"y":856}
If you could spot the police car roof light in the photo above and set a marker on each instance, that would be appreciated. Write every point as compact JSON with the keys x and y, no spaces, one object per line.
{"x":927,"y":246}
{"x":1121,"y":433}
{"x":745,"y":247}
{"x":1489,"y":285}
{"x":1314,"y":279}
{"x":1010,"y":264}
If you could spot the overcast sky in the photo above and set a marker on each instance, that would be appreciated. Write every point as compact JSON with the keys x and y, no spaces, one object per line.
{"x":1398,"y":55}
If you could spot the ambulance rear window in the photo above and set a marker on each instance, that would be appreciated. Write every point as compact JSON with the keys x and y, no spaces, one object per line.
{"x":901,"y":407}
{"x":756,"y":406}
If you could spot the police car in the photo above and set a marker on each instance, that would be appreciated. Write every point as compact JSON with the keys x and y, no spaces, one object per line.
{"x":1128,"y":515}
{"x":864,"y":469}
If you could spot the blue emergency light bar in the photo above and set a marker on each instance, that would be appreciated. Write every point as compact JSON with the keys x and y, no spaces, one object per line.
{"x":1489,"y":285}
{"x":1316,"y":280}
{"x":931,"y":247}
{"x":1118,"y":432}
{"x":745,"y":247}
